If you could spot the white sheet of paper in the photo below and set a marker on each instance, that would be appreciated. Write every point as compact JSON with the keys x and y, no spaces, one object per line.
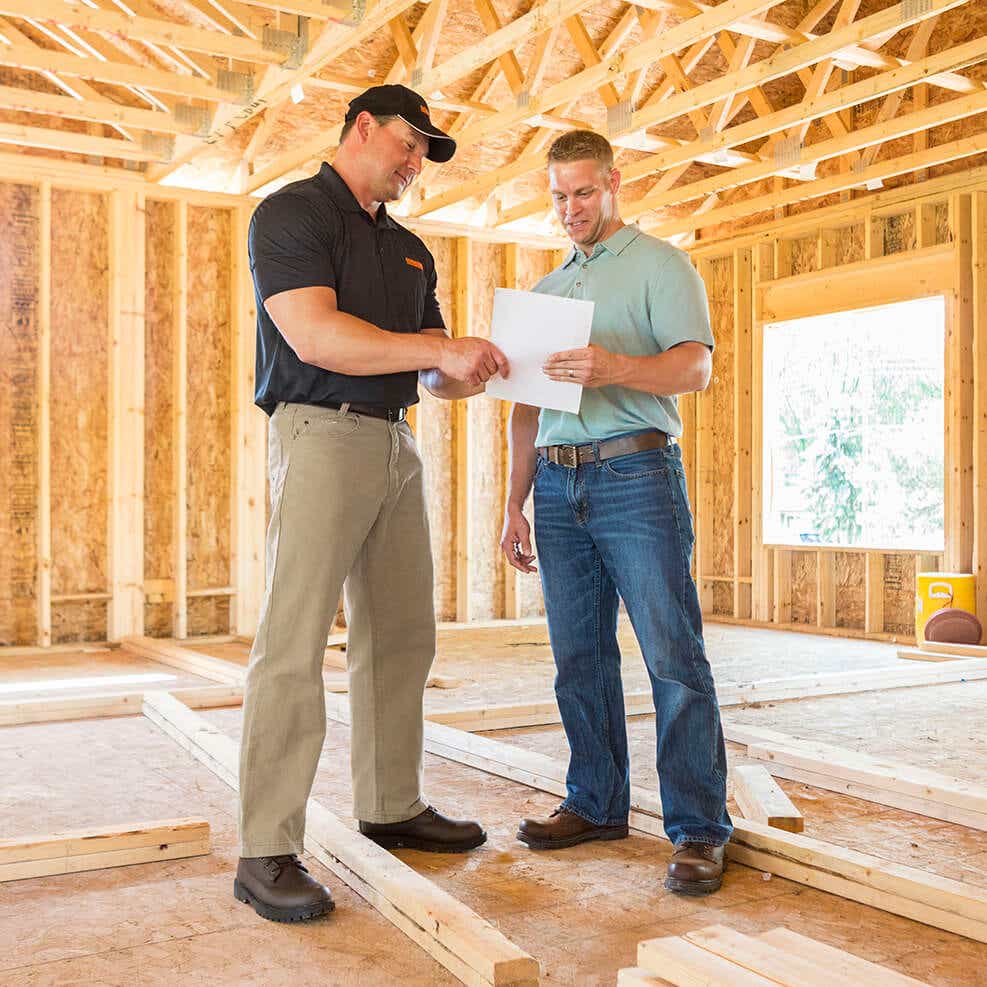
{"x":529,"y":328}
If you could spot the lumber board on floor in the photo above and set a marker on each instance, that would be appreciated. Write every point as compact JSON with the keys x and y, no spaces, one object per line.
{"x":99,"y":847}
{"x":957,"y":650}
{"x":688,"y":965}
{"x":470,"y":947}
{"x":168,"y":653}
{"x":896,"y":888}
{"x":846,"y":683}
{"x":508,"y":716}
{"x":915,"y":654}
{"x":883,"y":796}
{"x":17,"y":712}
{"x":764,"y":959}
{"x":760,"y":798}
{"x":837,"y":961}
{"x":874,"y":779}
{"x":636,"y":976}
{"x":875,"y":771}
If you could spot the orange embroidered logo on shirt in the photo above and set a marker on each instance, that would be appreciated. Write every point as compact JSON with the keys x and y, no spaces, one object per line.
{"x":414,"y":263}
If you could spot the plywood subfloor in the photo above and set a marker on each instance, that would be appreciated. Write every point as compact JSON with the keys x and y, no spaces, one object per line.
{"x":952,"y":851}
{"x":497,"y":665}
{"x":175,"y":923}
{"x":581,"y":912}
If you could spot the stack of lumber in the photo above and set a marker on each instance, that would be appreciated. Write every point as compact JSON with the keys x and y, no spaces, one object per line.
{"x":717,"y":956}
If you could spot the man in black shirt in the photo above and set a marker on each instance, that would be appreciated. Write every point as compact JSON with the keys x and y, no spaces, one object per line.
{"x":347,"y":324}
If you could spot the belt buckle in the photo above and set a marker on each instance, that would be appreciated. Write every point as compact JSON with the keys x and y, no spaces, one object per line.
{"x":396,"y":414}
{"x":569,"y":456}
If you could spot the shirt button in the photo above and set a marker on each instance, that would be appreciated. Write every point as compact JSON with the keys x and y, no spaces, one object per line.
{"x":579,"y":284}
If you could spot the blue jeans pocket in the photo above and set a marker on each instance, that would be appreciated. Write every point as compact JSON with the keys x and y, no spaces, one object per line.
{"x":635,"y":465}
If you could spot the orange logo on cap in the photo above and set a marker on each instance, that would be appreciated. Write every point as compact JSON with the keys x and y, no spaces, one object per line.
{"x":425,"y":110}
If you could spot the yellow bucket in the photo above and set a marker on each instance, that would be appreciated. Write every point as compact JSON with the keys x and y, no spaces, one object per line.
{"x":935,"y":590}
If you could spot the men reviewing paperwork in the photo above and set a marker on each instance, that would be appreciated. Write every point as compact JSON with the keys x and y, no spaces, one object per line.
{"x":612,"y":520}
{"x":347,"y":325}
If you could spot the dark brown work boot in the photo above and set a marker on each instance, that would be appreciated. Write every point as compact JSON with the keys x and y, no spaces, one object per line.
{"x":695,"y":868}
{"x":429,"y":830}
{"x":564,"y":828}
{"x":281,"y":889}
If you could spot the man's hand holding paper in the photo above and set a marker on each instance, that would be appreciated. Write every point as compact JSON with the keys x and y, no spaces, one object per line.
{"x":530,"y":329}
{"x":591,"y":366}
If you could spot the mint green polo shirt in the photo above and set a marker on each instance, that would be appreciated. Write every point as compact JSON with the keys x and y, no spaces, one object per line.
{"x":648,"y":298}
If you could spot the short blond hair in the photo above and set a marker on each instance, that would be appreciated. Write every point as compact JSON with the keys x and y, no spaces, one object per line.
{"x":582,"y":145}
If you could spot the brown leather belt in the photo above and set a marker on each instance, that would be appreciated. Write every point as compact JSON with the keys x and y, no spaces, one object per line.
{"x":573,"y":456}
{"x":372,"y":411}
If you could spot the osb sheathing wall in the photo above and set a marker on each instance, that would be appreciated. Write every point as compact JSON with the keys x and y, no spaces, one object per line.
{"x":904,"y":246}
{"x":464,"y":444}
{"x":92,"y":281}
{"x":132,"y":454}
{"x":95,"y":452}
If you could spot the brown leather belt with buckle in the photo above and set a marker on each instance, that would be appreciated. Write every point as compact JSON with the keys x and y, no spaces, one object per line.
{"x":373,"y":411}
{"x":573,"y":456}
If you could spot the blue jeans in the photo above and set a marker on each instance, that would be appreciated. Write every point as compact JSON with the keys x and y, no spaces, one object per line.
{"x":622,"y":527}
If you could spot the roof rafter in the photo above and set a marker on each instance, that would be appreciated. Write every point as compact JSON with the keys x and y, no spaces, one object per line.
{"x":903,"y":75}
{"x":116,"y":73}
{"x":645,"y":53}
{"x":141,"y":29}
{"x":942,"y":154}
{"x":902,"y":126}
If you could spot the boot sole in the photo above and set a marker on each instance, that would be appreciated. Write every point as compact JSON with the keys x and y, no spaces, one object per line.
{"x":275,"y":914}
{"x":695,"y":889}
{"x":428,"y":846}
{"x":562,"y":843}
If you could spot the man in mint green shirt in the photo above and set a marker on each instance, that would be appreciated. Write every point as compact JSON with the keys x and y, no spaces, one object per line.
{"x":613,"y":522}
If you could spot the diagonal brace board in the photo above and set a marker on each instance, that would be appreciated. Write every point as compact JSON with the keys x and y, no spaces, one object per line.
{"x":457,"y":937}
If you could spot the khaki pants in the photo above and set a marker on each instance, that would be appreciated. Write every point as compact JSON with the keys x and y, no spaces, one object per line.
{"x":347,"y":504}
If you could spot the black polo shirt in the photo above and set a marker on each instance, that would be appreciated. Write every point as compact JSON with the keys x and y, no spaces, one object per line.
{"x":314,"y":233}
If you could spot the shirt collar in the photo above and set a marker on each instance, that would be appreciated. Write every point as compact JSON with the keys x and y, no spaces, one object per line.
{"x":614,"y":244}
{"x":343,"y":195}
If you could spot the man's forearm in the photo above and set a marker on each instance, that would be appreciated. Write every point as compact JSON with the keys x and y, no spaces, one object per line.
{"x":523,"y":431}
{"x":349,"y":345}
{"x":679,"y":370}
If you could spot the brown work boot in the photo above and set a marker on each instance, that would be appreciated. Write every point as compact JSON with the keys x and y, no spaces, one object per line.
{"x":564,"y":828}
{"x":429,"y":830}
{"x":281,"y":889}
{"x":695,"y":868}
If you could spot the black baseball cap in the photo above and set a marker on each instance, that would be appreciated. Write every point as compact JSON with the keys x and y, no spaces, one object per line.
{"x":402,"y":102}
